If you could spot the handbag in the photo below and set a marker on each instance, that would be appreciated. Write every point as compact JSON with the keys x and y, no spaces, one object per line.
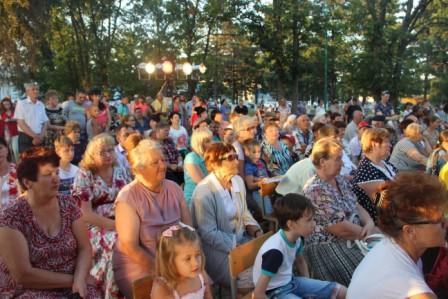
{"x":368,"y":243}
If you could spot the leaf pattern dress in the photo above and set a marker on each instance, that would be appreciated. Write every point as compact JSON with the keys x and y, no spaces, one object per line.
{"x":92,"y":188}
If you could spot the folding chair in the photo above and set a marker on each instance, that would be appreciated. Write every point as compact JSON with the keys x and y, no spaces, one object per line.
{"x":141,"y":288}
{"x":242,"y":258}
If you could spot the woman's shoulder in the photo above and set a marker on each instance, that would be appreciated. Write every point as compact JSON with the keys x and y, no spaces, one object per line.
{"x":14,"y":214}
{"x":83,"y":172}
{"x":239,"y":180}
{"x":129,"y":192}
{"x":204,"y":186}
{"x":69,"y":207}
{"x":343,"y":182}
{"x":193,"y":158}
{"x":404,"y":143}
{"x":312,"y":184}
{"x":171,"y":186}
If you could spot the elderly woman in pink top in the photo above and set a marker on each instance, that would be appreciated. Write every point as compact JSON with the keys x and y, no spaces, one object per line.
{"x":144,"y":208}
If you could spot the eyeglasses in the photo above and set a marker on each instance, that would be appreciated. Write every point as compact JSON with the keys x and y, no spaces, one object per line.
{"x":107,"y":152}
{"x":439,"y":221}
{"x":251,"y":128}
{"x":230,"y":157}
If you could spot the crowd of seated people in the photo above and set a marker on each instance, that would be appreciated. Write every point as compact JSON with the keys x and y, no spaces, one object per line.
{"x":96,"y":195}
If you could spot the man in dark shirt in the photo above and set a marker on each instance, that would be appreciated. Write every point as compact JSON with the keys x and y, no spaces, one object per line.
{"x":384,"y":107}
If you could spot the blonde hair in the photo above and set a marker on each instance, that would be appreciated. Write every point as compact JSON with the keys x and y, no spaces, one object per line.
{"x":233,"y":117}
{"x":249,"y":145}
{"x":62,"y":141}
{"x":373,"y":135}
{"x":138,"y":152}
{"x":166,"y":253}
{"x":70,"y":126}
{"x":324,"y":149}
{"x":412,"y":130}
{"x":197,"y":140}
{"x":240,"y":123}
{"x":88,"y":161}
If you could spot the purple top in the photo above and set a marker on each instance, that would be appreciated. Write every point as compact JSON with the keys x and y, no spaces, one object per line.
{"x":156,"y":212}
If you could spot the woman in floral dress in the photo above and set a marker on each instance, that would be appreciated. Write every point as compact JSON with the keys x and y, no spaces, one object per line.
{"x":44,"y":252}
{"x":96,"y":187}
{"x":8,"y":177}
{"x":338,"y":217}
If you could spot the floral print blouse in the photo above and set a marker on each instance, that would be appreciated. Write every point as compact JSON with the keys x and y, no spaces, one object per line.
{"x":332,"y":206}
{"x":8,"y":184}
{"x":278,"y":161}
{"x":91,"y":187}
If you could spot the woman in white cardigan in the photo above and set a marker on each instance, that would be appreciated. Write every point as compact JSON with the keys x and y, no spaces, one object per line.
{"x":220,"y":213}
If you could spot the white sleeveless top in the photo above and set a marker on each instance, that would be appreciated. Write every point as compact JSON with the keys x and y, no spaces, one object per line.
{"x":199,"y":294}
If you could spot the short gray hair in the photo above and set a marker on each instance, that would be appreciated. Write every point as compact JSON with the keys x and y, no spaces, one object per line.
{"x":138,"y":156}
{"x":240,"y":123}
{"x":30,"y":85}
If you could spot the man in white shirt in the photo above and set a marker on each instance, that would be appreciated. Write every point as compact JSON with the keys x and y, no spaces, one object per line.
{"x":31,"y":118}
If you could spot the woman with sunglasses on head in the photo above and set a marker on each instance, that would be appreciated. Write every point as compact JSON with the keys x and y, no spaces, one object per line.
{"x":411,"y":216}
{"x":96,"y":186}
{"x":220,"y":213}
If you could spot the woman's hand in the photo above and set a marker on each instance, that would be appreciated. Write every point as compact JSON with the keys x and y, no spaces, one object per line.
{"x":367,"y":230}
{"x":80,"y":287}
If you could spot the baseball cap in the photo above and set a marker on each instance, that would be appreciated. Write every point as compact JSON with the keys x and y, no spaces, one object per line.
{"x":363,"y":124}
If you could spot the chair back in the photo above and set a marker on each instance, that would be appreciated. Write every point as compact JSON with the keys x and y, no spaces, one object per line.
{"x":243,"y":257}
{"x":141,"y":288}
{"x":268,"y":188}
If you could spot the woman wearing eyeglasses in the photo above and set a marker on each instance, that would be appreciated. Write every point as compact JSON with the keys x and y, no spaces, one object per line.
{"x":411,"y":215}
{"x":245,"y":129}
{"x":220,"y":213}
{"x":95,"y":188}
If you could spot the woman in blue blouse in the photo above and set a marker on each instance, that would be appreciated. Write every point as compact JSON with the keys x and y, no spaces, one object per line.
{"x":194,"y":165}
{"x":274,"y":152}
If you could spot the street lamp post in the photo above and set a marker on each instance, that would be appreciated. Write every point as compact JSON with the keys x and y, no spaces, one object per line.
{"x":325,"y":10}
{"x":167,"y":70}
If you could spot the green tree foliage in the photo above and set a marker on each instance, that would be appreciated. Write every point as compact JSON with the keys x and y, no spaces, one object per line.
{"x":372,"y":45}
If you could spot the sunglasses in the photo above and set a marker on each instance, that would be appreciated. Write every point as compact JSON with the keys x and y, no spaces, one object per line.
{"x":230,"y":157}
{"x":440,"y":221}
{"x":251,"y":128}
